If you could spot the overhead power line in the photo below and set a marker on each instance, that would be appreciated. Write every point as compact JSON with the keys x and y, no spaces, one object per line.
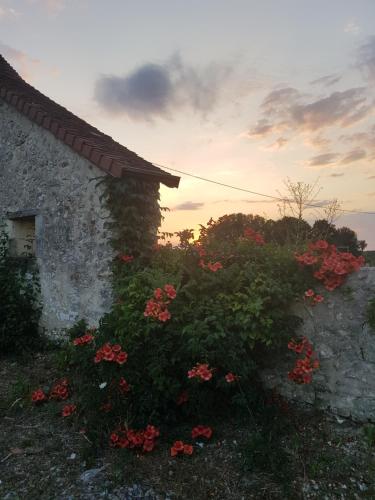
{"x":276,"y":198}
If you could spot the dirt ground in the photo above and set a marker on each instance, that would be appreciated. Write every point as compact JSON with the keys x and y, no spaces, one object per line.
{"x":43,"y":456}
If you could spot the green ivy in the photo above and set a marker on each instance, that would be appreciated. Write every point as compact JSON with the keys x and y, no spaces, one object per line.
{"x":19,"y":301}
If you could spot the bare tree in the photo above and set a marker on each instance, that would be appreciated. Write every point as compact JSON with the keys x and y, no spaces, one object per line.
{"x":332,"y":211}
{"x":299,"y":195}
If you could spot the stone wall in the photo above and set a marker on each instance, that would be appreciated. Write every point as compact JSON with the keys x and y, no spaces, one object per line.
{"x":345,"y":343}
{"x":41,"y":176}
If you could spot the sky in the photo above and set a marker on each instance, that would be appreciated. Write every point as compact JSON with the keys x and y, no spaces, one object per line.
{"x":242,"y":92}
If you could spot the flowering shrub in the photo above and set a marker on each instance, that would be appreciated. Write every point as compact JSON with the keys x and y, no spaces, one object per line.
{"x":179,"y":341}
{"x":330,"y":266}
{"x":304,"y":367}
{"x":182,"y":342}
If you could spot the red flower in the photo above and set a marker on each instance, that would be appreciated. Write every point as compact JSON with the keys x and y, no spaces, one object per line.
{"x":188,"y":449}
{"x":170,"y":291}
{"x":124,"y":387}
{"x":85,"y":339}
{"x":60,"y":391}
{"x":201,"y":430}
{"x":130,"y":438}
{"x":38,"y":396}
{"x":114,"y":437}
{"x":111,"y":353}
{"x":250,"y":234}
{"x":214,"y":266}
{"x":309,"y":293}
{"x":164,"y":315}
{"x":178,"y":447}
{"x":318,"y":298}
{"x":126,"y":258}
{"x":121,"y":357}
{"x":68,"y":410}
{"x":304,"y":367}
{"x":148,"y":445}
{"x":151,"y":432}
{"x":201,"y":371}
{"x":157,"y":307}
{"x":230,"y":377}
{"x":158,"y":294}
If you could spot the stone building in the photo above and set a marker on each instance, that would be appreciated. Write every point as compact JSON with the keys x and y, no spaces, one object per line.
{"x":51,"y":200}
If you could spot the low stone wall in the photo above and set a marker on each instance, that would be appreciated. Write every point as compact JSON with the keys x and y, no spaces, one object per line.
{"x":345,"y":344}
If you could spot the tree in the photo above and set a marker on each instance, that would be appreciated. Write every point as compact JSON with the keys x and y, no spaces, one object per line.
{"x":299,"y":195}
{"x":346,"y":240}
{"x":232,"y":226}
{"x":289,"y":231}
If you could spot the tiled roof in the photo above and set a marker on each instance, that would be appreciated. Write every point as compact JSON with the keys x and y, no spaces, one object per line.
{"x":87,"y":141}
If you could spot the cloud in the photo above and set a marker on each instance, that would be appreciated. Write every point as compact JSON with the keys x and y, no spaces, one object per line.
{"x":157,"y":90}
{"x":279,"y":144}
{"x":288,"y":110}
{"x":366,"y":59}
{"x":51,"y":6}
{"x":371,"y":177}
{"x":323,"y":160}
{"x":371,"y":194}
{"x":317,"y":141}
{"x":327,"y":81}
{"x":363,"y":141}
{"x":352,"y":156}
{"x":24,"y":64}
{"x":189,"y":205}
{"x":352,"y":27}
{"x":7,"y":12}
{"x":336,"y":175}
{"x":261,"y":129}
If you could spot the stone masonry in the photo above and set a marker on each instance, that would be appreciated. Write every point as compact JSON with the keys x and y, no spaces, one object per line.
{"x":345,"y":344}
{"x":41,"y":176}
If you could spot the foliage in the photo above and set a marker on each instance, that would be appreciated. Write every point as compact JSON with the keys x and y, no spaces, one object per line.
{"x":371,"y":313}
{"x":223,"y":301}
{"x":19,"y":306}
{"x":286,"y":231}
{"x":370,"y":257}
{"x":369,"y":434}
{"x":135,"y":216}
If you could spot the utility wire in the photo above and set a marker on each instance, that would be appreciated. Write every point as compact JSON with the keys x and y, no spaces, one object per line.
{"x":276,"y":198}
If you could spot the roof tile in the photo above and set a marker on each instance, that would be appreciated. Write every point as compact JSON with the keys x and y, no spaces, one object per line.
{"x":107,"y":154}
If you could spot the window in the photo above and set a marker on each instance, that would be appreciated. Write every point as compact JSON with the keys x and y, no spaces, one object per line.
{"x":21,"y":232}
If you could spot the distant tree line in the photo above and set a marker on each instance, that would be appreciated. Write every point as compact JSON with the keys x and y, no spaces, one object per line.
{"x":285,"y":231}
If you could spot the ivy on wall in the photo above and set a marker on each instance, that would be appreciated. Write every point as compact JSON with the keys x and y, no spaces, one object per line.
{"x":135,"y":218}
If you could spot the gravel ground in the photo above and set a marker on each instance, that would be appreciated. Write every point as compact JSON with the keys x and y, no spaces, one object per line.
{"x":44,"y":457}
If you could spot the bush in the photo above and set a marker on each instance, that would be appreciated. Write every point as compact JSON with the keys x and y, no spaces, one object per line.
{"x":19,"y":306}
{"x":230,"y":298}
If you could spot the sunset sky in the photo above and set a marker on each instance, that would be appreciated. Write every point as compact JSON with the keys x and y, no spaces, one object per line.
{"x":242,"y":92}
